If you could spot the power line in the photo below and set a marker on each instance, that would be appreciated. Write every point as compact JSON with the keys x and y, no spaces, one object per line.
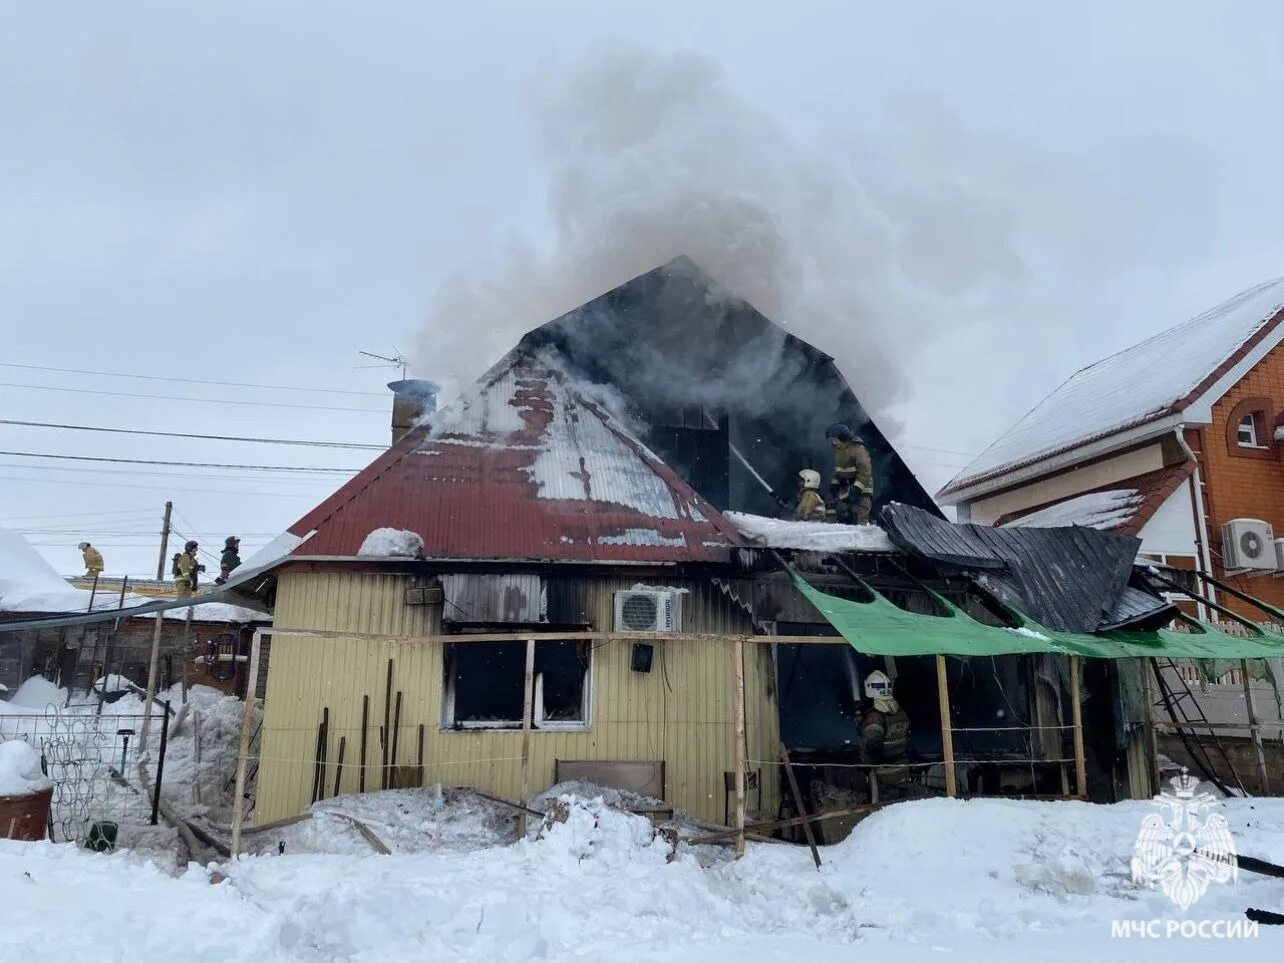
{"x":180,"y":464}
{"x":118,"y":511}
{"x":204,"y":401}
{"x":269,"y":478}
{"x":154,"y":488}
{"x":191,"y":381}
{"x":180,"y":434}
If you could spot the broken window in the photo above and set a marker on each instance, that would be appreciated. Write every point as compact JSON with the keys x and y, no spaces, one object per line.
{"x":485,"y":685}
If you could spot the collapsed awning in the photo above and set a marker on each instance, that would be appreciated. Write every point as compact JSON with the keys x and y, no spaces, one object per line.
{"x":877,"y":626}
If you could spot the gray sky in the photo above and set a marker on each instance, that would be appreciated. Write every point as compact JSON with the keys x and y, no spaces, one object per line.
{"x":253,"y":192}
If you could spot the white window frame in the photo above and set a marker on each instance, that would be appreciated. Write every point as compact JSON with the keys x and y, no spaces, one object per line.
{"x":1248,"y":424}
{"x":538,"y":722}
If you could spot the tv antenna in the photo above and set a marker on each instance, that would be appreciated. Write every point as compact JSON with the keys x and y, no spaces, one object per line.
{"x":398,"y":360}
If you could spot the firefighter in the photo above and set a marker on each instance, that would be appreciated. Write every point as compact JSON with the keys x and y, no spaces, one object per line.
{"x":811,"y":504}
{"x":93,"y":560}
{"x":230,"y":559}
{"x":188,"y":570}
{"x":853,"y":482}
{"x":884,"y":739}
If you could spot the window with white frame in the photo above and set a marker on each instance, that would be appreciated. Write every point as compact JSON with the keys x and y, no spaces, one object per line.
{"x":1247,"y":432}
{"x":485,"y":685}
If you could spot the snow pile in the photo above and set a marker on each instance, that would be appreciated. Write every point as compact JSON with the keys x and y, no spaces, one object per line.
{"x":810,"y":536}
{"x":392,"y":543}
{"x":35,"y":694}
{"x":931,"y":880}
{"x":29,"y":584}
{"x":1100,"y":510}
{"x":20,"y":769}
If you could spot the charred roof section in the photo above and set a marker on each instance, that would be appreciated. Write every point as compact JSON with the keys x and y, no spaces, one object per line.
{"x":707,"y":373}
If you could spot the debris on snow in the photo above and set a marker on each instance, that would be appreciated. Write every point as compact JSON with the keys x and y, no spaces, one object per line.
{"x":810,"y":536}
{"x":392,"y":543}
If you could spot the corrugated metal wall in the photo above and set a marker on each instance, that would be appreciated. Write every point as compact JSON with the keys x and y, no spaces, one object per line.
{"x":680,"y":712}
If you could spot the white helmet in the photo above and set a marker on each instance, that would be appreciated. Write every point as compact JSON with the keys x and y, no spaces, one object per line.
{"x":877,"y":685}
{"x":810,"y":479}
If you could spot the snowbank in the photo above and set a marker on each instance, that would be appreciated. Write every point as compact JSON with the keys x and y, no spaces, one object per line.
{"x":810,"y":536}
{"x":392,"y":543}
{"x":925,"y":881}
{"x":20,"y":769}
{"x":29,"y":584}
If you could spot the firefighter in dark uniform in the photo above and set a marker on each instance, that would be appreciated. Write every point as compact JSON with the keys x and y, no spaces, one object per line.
{"x":884,"y":739}
{"x":853,"y":482}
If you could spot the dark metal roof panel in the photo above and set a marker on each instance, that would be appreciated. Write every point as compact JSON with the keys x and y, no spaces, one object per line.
{"x":1069,"y":579}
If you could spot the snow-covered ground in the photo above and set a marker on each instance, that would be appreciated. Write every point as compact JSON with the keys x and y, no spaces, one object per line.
{"x":928,"y":880}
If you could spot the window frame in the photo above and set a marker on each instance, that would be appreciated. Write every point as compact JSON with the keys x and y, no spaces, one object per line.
{"x":1247,"y":423}
{"x":538,"y":722}
{"x":1262,"y":434}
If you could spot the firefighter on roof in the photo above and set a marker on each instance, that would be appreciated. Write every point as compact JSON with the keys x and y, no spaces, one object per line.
{"x":853,"y":482}
{"x":811,"y":504}
{"x":93,"y":560}
{"x":230,"y":559}
{"x":187,"y":570}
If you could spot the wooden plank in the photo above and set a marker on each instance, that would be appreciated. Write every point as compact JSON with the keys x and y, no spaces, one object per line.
{"x":738,"y":734}
{"x":798,"y":802}
{"x":1255,"y":730}
{"x":773,"y":825}
{"x":387,"y":727}
{"x":365,"y":724}
{"x":947,"y":731}
{"x":528,"y":708}
{"x":1076,"y":715}
{"x":504,"y":802}
{"x":242,"y":755}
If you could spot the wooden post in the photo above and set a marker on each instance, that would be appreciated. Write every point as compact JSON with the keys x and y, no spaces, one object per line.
{"x":365,"y":725}
{"x":1255,"y":730}
{"x":247,"y":726}
{"x":798,"y":802}
{"x":528,"y":707}
{"x":738,"y":734}
{"x":387,"y":727}
{"x":1076,"y":715}
{"x":947,"y":728}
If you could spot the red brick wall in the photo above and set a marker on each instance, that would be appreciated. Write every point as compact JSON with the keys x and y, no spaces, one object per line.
{"x":1246,"y":485}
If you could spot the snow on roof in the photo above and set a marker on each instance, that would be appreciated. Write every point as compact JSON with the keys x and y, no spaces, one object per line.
{"x":1129,"y":388}
{"x":810,"y":536}
{"x":525,"y":465}
{"x":1100,"y":510}
{"x":29,"y":584}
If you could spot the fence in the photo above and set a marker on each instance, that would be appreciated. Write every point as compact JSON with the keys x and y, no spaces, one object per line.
{"x":92,"y":760}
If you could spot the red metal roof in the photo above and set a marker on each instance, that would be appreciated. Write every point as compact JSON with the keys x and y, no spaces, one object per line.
{"x":523,"y":467}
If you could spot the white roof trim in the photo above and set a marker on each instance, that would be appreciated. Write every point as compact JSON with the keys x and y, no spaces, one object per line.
{"x":1119,"y":441}
{"x":1200,"y":410}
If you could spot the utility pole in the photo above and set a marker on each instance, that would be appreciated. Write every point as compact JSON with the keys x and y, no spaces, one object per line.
{"x":156,"y":635}
{"x":160,"y":562}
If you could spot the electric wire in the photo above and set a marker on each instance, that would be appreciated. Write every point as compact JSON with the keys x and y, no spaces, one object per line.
{"x":182,"y":434}
{"x":203,"y":401}
{"x":189,"y":381}
{"x":180,"y":464}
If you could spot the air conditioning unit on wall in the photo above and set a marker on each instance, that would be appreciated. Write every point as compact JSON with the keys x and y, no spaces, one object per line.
{"x":1248,"y":545}
{"x":1279,"y":556}
{"x":648,"y":610}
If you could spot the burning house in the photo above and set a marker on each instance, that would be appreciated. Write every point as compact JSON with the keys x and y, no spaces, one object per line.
{"x":576,"y":571}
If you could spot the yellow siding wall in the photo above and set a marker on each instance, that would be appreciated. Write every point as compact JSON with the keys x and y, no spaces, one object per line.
{"x":680,"y":712}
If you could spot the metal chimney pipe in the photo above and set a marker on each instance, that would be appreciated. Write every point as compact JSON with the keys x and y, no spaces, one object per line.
{"x":411,"y":400}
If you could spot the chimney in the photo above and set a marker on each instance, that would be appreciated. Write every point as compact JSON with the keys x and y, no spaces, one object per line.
{"x":411,"y":400}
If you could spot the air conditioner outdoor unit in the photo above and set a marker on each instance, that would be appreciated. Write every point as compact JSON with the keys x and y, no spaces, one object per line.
{"x":648,"y":610}
{"x":1248,"y":546}
{"x":1279,"y":556}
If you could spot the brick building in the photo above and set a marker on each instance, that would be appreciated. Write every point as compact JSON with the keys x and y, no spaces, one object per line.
{"x":1169,"y":440}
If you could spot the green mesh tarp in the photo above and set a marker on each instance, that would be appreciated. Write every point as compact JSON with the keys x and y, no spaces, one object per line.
{"x":879,"y":627}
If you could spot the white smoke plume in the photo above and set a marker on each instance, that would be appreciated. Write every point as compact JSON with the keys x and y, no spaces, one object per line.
{"x":867,"y":244}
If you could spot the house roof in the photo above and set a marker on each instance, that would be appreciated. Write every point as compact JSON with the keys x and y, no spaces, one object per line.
{"x":523,"y":466}
{"x":1123,"y":507}
{"x":1160,"y":376}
